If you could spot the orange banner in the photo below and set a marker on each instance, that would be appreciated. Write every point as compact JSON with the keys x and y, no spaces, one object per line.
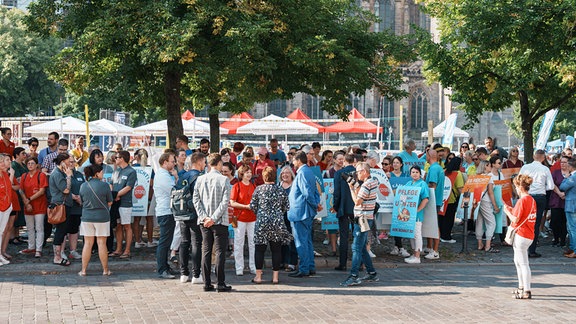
{"x":510,"y":173}
{"x":476,"y":184}
{"x":506,"y":190}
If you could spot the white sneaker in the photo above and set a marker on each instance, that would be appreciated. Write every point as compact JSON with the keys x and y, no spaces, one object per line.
{"x":371,"y":254}
{"x":452,"y":241}
{"x":432,"y":255}
{"x":326,"y":242}
{"x":139,"y":245}
{"x":63,"y":255}
{"x":75,"y":255}
{"x":427,"y":250}
{"x":184,"y":279}
{"x":197,"y":281}
{"x":152,"y":244}
{"x":3,"y":260}
{"x":403,"y":252}
{"x":395,"y":251}
{"x":412,"y":260}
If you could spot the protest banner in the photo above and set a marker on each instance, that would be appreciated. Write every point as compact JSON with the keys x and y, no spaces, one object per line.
{"x":460,"y":210}
{"x":385,"y":196}
{"x":395,"y":182}
{"x":445,"y":195}
{"x":330,"y":222}
{"x":506,"y":187}
{"x":510,"y":173}
{"x":141,"y":190}
{"x":477,"y":184}
{"x":405,"y":211}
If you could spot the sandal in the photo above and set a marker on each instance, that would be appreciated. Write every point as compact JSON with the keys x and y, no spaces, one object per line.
{"x":82,"y":274}
{"x":492,"y":250}
{"x":107,"y":273}
{"x":275,"y":282}
{"x":114,"y":254}
{"x":63,"y":262}
{"x":520,"y":294}
{"x":125,"y":256}
{"x":256,"y":281}
{"x":481,"y":248}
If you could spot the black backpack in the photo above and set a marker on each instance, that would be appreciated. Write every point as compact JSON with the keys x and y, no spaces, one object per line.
{"x":181,"y":201}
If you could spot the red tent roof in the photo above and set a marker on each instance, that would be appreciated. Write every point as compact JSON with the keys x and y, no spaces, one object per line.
{"x":356,"y":124}
{"x":187,"y":115}
{"x":236,"y":121}
{"x":300,"y":116}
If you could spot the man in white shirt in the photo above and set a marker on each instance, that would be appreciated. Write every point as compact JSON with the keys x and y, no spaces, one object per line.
{"x":541,"y":182}
{"x":164,"y":181}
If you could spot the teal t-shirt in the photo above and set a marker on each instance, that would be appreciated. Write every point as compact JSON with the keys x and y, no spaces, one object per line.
{"x":436,"y":175}
{"x":424,"y":194}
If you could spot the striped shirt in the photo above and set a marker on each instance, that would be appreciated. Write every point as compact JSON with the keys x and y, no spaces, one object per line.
{"x":368,"y":194}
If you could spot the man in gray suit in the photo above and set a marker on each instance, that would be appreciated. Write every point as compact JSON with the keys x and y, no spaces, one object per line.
{"x":211,"y":197}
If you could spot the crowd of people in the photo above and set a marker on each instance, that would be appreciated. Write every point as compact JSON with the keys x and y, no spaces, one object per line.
{"x":265,"y":197}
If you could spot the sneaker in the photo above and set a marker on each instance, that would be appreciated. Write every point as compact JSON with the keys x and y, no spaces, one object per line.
{"x":370,"y":277}
{"x":427,"y":250}
{"x":3,"y":260}
{"x":326,"y":242}
{"x":166,"y":275}
{"x":139,"y":245}
{"x":432,"y":255}
{"x":63,"y":255}
{"x":452,"y":241}
{"x":197,"y":281}
{"x":184,"y":279}
{"x":371,"y":254}
{"x":412,"y":260}
{"x":543,"y":235}
{"x":316,"y":254}
{"x":351,"y":281}
{"x":152,"y":244}
{"x":403,"y":252}
{"x":75,"y":255}
{"x":395,"y":251}
{"x":28,"y":251}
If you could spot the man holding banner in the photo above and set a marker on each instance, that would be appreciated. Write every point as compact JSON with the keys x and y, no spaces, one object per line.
{"x":364,"y":198}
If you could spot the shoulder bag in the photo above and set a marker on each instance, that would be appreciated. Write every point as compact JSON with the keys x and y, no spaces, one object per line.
{"x":511,"y":233}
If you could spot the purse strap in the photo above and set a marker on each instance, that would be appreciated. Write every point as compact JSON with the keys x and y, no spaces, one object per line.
{"x":103,"y":205}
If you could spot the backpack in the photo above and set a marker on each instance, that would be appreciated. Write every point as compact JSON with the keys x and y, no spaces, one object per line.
{"x":181,"y":201}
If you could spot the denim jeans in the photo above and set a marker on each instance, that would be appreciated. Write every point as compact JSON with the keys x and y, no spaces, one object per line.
{"x":540,"y":207}
{"x":191,"y":236}
{"x":571,"y":221}
{"x":302,"y":231}
{"x":167,"y":225}
{"x":359,"y":251}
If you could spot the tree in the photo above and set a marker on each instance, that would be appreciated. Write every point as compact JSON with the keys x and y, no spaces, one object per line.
{"x":24,"y":87}
{"x":224,"y":55}
{"x":493,"y":54}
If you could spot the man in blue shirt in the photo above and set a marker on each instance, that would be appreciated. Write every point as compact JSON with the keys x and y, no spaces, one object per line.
{"x":409,"y":157}
{"x":276,"y":155}
{"x":304,"y":205}
{"x":435,"y":179}
{"x":52,"y":147}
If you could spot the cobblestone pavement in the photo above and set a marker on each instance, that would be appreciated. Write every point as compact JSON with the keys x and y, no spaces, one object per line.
{"x":474,"y":287}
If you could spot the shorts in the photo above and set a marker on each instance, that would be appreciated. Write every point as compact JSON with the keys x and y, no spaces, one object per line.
{"x":125,"y":215}
{"x":95,"y":229}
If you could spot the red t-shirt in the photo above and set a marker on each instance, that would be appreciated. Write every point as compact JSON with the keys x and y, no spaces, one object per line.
{"x":233,"y":159}
{"x":31,"y":184}
{"x":6,"y":192}
{"x":257,"y":169}
{"x":525,"y":208}
{"x":323,"y":166}
{"x":8,"y":149}
{"x":15,"y":202}
{"x":242,"y":194}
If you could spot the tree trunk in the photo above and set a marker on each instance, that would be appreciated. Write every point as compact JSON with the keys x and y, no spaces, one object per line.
{"x":214,"y":132}
{"x":173,"y":114}
{"x":527,"y":127}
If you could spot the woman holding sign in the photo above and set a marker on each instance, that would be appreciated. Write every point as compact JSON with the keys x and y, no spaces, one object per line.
{"x":397,"y":167}
{"x":523,"y":218}
{"x":416,"y":242}
{"x":487,"y":209}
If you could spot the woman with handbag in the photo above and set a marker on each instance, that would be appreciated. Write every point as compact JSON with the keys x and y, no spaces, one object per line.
{"x":521,"y":230}
{"x":240,"y":196}
{"x":60,"y":183}
{"x":96,"y":200}
{"x":33,"y":192}
{"x":6,"y":193}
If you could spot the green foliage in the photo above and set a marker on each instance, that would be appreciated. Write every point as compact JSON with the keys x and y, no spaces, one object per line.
{"x":222,"y":54}
{"x":493,"y":54}
{"x":24,"y":87}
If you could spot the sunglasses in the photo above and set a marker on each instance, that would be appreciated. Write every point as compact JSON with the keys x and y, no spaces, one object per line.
{"x":474,"y":159}
{"x":34,"y":145}
{"x":385,"y":164}
{"x":464,"y":147}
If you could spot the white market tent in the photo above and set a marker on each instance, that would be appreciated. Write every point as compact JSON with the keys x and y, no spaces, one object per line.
{"x":112,"y":128}
{"x":274,"y":125}
{"x":439,"y":131}
{"x":191,"y":127}
{"x":66,"y":125}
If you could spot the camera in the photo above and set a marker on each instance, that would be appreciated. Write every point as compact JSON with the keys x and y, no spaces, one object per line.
{"x":350,"y":178}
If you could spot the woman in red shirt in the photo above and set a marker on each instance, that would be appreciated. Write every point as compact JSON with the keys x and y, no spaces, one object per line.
{"x":240,"y":198}
{"x":523,"y":217}
{"x":260,"y":164}
{"x":33,"y":186}
{"x":6,"y":195}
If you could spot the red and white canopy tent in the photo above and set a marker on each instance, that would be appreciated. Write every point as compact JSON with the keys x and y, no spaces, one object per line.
{"x":356,"y":123}
{"x":187,"y":115}
{"x":299,"y":115}
{"x":236,"y":121}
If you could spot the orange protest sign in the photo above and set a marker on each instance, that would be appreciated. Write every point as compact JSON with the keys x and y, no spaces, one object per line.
{"x":509,"y":173}
{"x":506,"y":190}
{"x":476,"y":184}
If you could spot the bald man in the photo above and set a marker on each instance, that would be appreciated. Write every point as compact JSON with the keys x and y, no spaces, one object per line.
{"x":435,"y":179}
